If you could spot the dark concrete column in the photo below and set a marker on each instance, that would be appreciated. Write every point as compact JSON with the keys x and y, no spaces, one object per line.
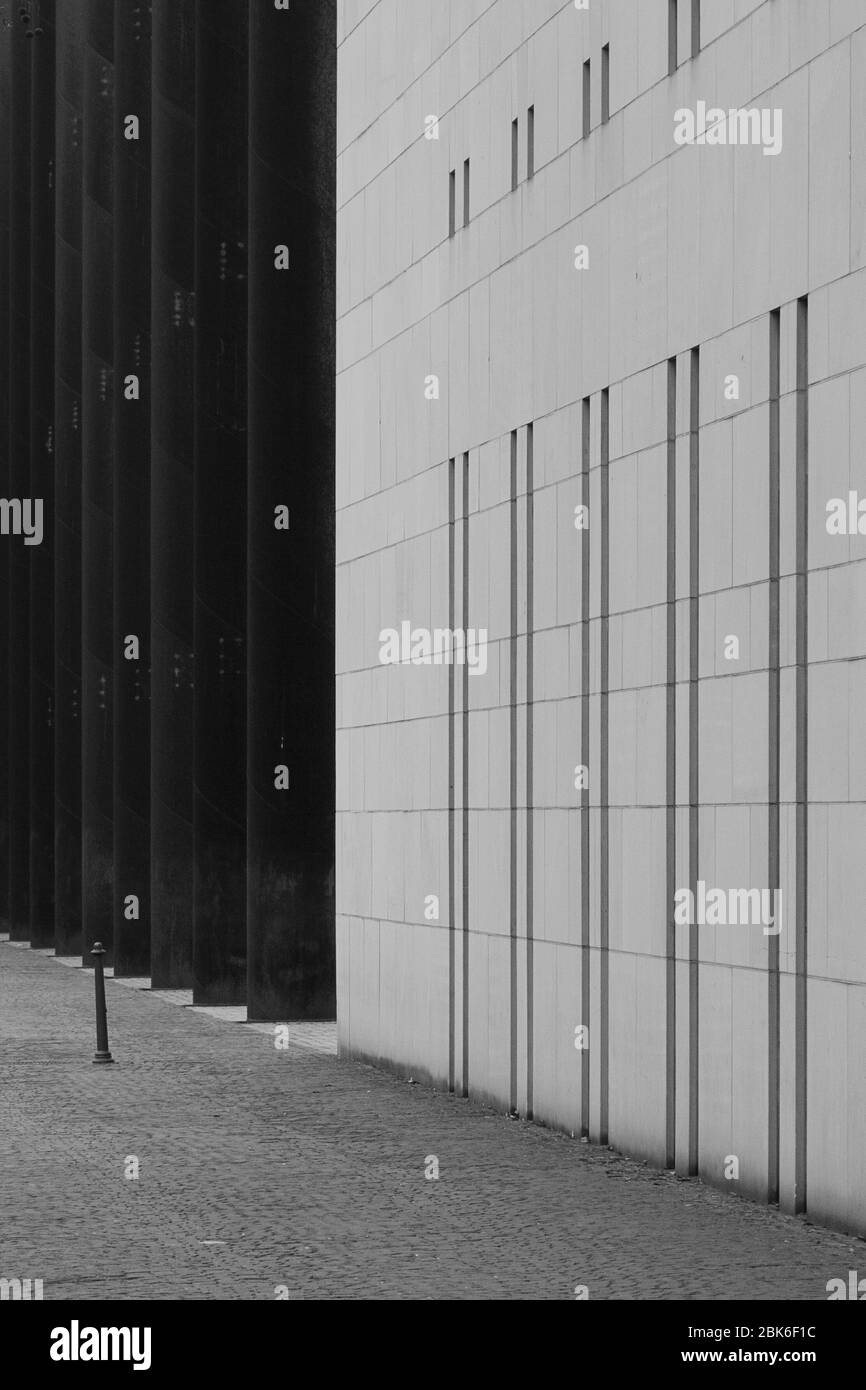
{"x":290,"y":897}
{"x":41,"y":557}
{"x":19,"y":477}
{"x":97,"y":618}
{"x":5,"y":105}
{"x":171,"y":539}
{"x":131,"y":487}
{"x":71,"y":31}
{"x":219,"y":934}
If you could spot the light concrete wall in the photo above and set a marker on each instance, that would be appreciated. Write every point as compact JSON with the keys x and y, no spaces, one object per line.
{"x":689,"y":247}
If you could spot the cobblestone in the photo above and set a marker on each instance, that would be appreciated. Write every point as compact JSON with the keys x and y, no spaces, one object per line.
{"x":309,"y":1172}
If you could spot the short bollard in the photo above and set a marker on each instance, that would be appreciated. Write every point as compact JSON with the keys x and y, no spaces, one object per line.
{"x":102,"y":1053}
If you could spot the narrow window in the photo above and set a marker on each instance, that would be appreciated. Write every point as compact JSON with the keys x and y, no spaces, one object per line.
{"x":696,"y":42}
{"x":514,"y":147}
{"x":605,"y":83}
{"x":587,"y":108}
{"x":466,"y":193}
{"x":452,"y":202}
{"x":530,"y":142}
{"x":672,"y":37}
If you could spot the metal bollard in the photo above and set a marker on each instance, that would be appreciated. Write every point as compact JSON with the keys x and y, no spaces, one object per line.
{"x":102,"y":1053}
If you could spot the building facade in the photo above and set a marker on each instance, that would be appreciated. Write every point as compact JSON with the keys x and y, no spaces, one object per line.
{"x":601,"y":630}
{"x":167,"y":282}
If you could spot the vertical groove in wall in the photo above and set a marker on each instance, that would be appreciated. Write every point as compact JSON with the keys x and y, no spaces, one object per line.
{"x":773,"y":768}
{"x":585,"y":995}
{"x":18,"y":596}
{"x":132,"y":490}
{"x":512,"y":777}
{"x":670,"y":768}
{"x":67,"y":480}
{"x":530,"y":655}
{"x":97,"y":484}
{"x":694,"y":743}
{"x":42,"y":470}
{"x":452,"y":896}
{"x":465,"y":780}
{"x":604,"y":781}
{"x":171,"y":489}
{"x":802,"y":748}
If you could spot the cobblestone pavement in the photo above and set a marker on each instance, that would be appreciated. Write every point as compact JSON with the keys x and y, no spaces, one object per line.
{"x":261,"y":1168}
